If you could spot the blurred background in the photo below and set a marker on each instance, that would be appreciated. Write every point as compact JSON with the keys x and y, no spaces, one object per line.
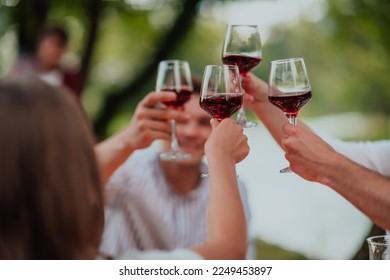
{"x":117,"y":44}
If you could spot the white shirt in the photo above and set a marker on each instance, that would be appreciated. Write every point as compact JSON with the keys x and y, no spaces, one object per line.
{"x":374,"y":155}
{"x":144,"y":213}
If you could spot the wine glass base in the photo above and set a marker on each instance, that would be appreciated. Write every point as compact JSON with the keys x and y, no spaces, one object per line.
{"x":206,"y":175}
{"x":247,"y":124}
{"x":285,"y":170}
{"x":175,"y":156}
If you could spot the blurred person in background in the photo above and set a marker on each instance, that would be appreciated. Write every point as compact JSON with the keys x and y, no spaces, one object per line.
{"x":47,"y":61}
{"x":51,"y":193}
{"x":358,"y":171}
{"x":156,"y":204}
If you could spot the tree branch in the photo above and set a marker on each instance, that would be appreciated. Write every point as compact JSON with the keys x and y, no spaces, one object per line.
{"x":182,"y":25}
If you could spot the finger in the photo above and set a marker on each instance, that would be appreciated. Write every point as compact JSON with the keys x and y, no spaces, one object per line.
{"x":283,"y":143}
{"x":154,"y":125}
{"x":246,"y":80}
{"x":248,"y":97}
{"x":214,"y":123}
{"x":288,"y":129}
{"x":288,"y":144}
{"x":154,"y":98}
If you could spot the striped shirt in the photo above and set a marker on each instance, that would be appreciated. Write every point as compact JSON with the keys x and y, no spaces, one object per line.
{"x":144,"y":213}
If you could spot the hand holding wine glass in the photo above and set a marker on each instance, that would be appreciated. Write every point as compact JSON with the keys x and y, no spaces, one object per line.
{"x":242,"y":47}
{"x":175,"y":76}
{"x":221,"y":93}
{"x":227,"y":136}
{"x":289,"y":88}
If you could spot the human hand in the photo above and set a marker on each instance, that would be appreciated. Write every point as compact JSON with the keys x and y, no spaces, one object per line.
{"x":227,"y":141}
{"x":308,"y":154}
{"x":255,"y":91}
{"x":151,"y":121}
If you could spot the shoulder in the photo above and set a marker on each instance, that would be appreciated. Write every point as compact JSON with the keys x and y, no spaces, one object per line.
{"x":138,"y":167}
{"x":138,"y":160}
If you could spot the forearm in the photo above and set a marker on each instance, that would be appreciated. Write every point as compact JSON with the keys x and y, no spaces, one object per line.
{"x":110,"y":154}
{"x":226,"y":220}
{"x":273,"y":118}
{"x":367,"y":190}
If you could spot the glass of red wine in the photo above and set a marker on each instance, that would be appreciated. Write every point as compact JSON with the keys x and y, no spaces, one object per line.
{"x":221,"y":93}
{"x":242,"y":47}
{"x":289,"y":88}
{"x":175,"y":76}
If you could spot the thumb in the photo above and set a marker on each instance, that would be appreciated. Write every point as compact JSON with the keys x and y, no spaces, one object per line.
{"x":214,"y":123}
{"x":287,"y":128}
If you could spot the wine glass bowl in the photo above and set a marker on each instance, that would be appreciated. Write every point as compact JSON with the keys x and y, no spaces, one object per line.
{"x":174,"y":76}
{"x":183,"y":95}
{"x":289,"y":88}
{"x":244,"y":63}
{"x":291,"y":104}
{"x":221,"y":94}
{"x":242,"y":47}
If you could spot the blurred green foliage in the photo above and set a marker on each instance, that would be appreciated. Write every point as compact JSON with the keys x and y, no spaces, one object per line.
{"x":347,"y":55}
{"x":267,"y":251}
{"x":347,"y":51}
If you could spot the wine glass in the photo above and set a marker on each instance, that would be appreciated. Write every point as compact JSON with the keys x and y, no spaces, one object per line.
{"x":175,"y":76}
{"x":221,"y":93}
{"x":289,"y":88}
{"x":379,"y":247}
{"x":242,"y":47}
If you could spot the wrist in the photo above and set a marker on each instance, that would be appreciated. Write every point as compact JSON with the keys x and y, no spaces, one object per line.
{"x":124,"y":143}
{"x":335,"y":170}
{"x":218,"y":156}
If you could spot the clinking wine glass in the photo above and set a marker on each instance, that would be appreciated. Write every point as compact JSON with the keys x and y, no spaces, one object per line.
{"x":221,"y":93}
{"x":242,"y":47}
{"x":289,"y":88}
{"x":379,"y":247}
{"x":175,"y":76}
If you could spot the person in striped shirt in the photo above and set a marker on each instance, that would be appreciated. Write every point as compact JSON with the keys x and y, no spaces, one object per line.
{"x":153,"y":204}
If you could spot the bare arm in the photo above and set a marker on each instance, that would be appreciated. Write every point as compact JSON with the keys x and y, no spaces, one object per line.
{"x":148,"y":124}
{"x":256,"y":100}
{"x":227,"y":236}
{"x":314,"y":160}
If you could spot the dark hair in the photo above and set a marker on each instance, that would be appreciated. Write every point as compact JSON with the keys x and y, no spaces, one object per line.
{"x":51,"y":202}
{"x":196,"y":83}
{"x":54,"y":31}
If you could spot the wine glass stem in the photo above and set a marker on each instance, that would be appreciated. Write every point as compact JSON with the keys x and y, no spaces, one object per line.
{"x":241,"y":116}
{"x":292,"y":119}
{"x":174,"y":143}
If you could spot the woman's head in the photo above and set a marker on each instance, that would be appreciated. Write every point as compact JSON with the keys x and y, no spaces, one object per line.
{"x":50,"y":191}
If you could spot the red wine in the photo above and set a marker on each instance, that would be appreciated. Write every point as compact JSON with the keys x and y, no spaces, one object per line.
{"x":244,"y":63}
{"x":291,"y":104}
{"x":183,"y":95}
{"x":221,"y":106}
